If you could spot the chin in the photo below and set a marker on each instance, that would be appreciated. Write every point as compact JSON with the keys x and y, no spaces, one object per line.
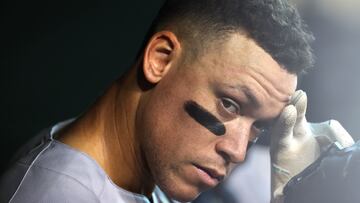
{"x":183,"y":196}
{"x":181,"y":193}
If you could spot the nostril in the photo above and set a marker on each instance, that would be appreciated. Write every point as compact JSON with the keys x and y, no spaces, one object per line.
{"x":226,"y":157}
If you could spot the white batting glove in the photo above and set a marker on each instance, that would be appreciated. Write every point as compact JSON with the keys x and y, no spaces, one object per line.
{"x":295,"y":143}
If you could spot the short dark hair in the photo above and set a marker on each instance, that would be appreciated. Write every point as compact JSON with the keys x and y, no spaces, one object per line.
{"x":274,"y":24}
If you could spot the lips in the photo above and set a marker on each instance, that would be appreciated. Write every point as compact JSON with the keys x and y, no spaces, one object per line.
{"x":210,"y":176}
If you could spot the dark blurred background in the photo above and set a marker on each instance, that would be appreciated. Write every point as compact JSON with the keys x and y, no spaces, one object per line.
{"x":58,"y":56}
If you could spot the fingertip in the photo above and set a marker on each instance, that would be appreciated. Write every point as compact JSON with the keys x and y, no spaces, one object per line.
{"x":295,"y":97}
{"x":288,"y":116}
{"x":284,"y":126}
{"x":299,"y":100}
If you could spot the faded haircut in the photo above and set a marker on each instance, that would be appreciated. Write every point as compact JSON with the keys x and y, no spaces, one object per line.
{"x":274,"y":24}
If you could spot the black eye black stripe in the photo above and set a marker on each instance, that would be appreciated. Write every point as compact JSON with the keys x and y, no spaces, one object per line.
{"x":205,"y":118}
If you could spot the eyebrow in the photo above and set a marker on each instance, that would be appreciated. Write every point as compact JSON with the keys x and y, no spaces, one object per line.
{"x":251,"y":95}
{"x":249,"y":92}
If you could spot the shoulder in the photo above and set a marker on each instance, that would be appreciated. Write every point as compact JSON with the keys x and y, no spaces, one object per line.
{"x":46,"y":185}
{"x":47,"y":170}
{"x":52,"y":172}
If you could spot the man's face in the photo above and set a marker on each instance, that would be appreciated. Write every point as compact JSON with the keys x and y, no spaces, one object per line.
{"x":195,"y":124}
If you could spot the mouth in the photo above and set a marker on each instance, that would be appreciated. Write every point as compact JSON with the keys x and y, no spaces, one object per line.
{"x":209,"y":176}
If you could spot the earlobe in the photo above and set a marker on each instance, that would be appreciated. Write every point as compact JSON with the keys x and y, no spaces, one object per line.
{"x":162,"y":49}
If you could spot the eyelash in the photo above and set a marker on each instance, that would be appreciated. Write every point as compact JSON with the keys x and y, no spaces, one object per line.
{"x":259,"y":127}
{"x":227,"y":101}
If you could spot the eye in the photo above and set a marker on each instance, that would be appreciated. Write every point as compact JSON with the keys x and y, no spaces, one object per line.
{"x":230,"y":105}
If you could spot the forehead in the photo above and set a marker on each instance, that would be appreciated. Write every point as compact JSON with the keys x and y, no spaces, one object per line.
{"x":241,"y":65}
{"x":241,"y":59}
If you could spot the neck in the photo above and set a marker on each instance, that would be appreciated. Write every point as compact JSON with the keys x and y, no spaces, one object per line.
{"x":107,"y":134}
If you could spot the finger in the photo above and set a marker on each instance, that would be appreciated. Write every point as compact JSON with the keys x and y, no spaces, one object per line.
{"x":299,"y":100}
{"x":295,"y":97}
{"x":285,"y":123}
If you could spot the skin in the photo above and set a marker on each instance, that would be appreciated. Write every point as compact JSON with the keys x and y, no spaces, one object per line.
{"x":204,"y":118}
{"x":142,"y":137}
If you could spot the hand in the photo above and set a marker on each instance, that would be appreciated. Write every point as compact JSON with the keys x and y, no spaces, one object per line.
{"x":295,"y":143}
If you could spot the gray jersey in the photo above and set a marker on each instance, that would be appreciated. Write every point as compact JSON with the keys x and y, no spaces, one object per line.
{"x":50,"y":171}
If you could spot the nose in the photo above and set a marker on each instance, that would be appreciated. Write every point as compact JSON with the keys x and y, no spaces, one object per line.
{"x":233,"y":145}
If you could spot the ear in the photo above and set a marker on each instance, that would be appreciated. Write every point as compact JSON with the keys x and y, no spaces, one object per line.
{"x":162,"y":49}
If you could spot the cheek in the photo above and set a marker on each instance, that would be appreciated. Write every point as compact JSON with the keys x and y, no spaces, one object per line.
{"x":166,"y":122}
{"x":170,"y":134}
{"x":171,"y":141}
{"x":172,"y":131}
{"x":159,"y":129}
